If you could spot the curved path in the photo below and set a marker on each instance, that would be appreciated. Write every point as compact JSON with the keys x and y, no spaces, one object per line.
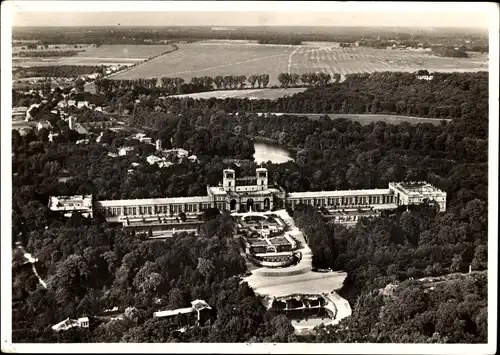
{"x":300,"y":279}
{"x":30,"y":259}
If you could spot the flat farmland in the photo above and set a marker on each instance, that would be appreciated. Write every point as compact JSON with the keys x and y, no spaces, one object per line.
{"x":199,"y":59}
{"x":243,"y":58}
{"x":332,"y":59}
{"x":103,"y":55}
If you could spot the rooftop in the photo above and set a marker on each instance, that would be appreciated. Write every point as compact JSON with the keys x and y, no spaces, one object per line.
{"x":257,"y":242}
{"x":246,"y":178}
{"x":279,"y":241}
{"x":65,"y":202}
{"x":339,"y":193}
{"x":195,"y":305}
{"x":200,"y":304}
{"x":415,"y":188}
{"x":217,"y":190}
{"x":152,"y":201}
{"x":173,"y":312}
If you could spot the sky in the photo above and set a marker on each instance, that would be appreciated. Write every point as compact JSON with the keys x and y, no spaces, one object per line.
{"x":267,"y":14}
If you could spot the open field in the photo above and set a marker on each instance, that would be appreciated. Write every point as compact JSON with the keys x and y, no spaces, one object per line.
{"x":211,"y":58}
{"x":366,"y":60}
{"x":197,"y":59}
{"x":251,"y":94}
{"x":366,"y":119}
{"x":103,"y":55}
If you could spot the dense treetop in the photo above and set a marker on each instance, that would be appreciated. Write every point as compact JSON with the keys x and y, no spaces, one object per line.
{"x":90,"y":266}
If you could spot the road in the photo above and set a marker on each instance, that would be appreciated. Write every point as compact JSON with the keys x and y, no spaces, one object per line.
{"x":30,"y":259}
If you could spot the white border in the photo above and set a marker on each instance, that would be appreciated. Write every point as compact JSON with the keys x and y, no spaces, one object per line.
{"x":379,"y":7}
{"x":493,"y":147}
{"x":274,"y":6}
{"x":6,"y":182}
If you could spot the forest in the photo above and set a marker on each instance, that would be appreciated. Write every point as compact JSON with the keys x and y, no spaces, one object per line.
{"x":382,"y":255}
{"x":451,"y":312}
{"x":330,"y":154}
{"x":90,"y":267}
{"x":448,"y":95}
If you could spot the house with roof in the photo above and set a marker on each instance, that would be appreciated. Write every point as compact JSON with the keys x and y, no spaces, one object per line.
{"x":19,"y":113}
{"x":179,"y":152}
{"x":125,"y":151}
{"x":70,"y":204}
{"x":165,"y":164}
{"x":161,"y":162}
{"x":71,"y":323}
{"x":82,"y":104}
{"x":198,"y":313}
{"x":141,"y":137}
{"x":425,"y":77}
{"x":153,"y":159}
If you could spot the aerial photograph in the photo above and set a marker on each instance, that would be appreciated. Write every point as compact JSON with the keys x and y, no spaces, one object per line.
{"x":248,"y":177}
